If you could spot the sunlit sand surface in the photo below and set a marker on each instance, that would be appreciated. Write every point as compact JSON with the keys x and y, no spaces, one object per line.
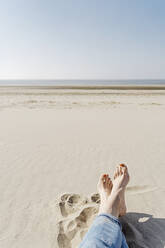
{"x":54,"y":143}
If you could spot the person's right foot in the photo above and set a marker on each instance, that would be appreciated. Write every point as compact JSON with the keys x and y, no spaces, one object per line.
{"x":123,"y":209}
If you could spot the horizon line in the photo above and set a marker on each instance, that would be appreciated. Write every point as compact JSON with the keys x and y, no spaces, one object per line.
{"x":52,"y":79}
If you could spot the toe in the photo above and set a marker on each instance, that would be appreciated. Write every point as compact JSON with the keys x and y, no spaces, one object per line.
{"x":102,"y":180}
{"x":124,"y":168}
{"x":115,"y":174}
{"x":109,"y":181}
{"x":118,"y":171}
{"x":102,"y":177}
{"x":111,"y":185}
{"x":106,"y":181}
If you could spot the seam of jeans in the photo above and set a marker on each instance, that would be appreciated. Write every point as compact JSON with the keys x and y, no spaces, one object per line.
{"x":112,"y":218}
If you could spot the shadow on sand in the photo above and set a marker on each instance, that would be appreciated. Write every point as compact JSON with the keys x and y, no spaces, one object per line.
{"x":143,"y":230}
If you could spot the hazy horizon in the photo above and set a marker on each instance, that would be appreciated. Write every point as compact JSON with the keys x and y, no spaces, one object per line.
{"x":83,"y":82}
{"x":82,"y":79}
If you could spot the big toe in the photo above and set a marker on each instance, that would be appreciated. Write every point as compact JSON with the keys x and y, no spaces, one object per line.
{"x":102,"y":181}
{"x":124,"y":168}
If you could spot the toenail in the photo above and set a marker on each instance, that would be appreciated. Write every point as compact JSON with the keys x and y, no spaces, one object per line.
{"x":122,"y":165}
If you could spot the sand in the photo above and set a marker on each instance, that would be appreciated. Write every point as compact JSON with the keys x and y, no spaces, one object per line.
{"x":54,"y":144}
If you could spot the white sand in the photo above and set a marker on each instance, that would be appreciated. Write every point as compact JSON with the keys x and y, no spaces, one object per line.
{"x":57,"y":142}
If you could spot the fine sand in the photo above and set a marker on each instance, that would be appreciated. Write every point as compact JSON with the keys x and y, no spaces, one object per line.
{"x":54,"y":143}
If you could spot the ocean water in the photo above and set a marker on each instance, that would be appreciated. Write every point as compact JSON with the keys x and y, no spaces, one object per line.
{"x":82,"y":82}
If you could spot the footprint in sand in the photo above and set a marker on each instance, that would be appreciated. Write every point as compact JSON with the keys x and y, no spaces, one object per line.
{"x":95,"y":198}
{"x":70,"y":203}
{"x":77,"y":215}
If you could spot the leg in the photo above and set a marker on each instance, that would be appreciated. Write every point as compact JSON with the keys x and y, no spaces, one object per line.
{"x":104,"y":232}
{"x":106,"y":229}
{"x":124,"y":242}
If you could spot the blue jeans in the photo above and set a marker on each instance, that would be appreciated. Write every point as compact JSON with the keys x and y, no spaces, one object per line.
{"x":105,"y":232}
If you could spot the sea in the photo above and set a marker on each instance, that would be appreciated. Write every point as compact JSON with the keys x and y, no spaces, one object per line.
{"x":85,"y":82}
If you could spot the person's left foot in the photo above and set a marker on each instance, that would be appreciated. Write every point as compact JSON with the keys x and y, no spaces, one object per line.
{"x":104,"y":188}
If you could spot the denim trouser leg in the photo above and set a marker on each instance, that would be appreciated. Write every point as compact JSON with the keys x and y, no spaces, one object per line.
{"x":124,"y":242}
{"x":104,"y":232}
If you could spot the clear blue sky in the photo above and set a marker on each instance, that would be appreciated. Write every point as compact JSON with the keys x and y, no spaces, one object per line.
{"x":107,"y":39}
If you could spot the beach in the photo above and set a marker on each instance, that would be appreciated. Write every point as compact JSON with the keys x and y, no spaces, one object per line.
{"x":55,"y":143}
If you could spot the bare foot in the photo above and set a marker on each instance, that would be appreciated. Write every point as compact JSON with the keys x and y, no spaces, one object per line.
{"x":104,"y":188}
{"x":111,"y":197}
{"x":122,"y":168}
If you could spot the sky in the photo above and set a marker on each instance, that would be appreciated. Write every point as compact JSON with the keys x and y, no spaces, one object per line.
{"x":82,"y":39}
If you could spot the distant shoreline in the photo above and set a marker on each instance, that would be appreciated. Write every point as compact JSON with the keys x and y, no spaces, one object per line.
{"x":85,"y":87}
